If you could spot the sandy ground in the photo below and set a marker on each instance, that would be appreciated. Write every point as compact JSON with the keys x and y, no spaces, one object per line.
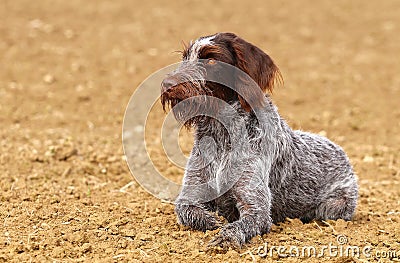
{"x":68,"y":69}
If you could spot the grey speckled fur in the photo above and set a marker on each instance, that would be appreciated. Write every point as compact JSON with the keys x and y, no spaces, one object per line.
{"x":282,"y":174}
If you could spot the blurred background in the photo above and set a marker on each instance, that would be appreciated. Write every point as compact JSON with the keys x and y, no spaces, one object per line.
{"x":68,"y":69}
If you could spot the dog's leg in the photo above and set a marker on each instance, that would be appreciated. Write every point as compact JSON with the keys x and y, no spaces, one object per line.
{"x":192,"y":206}
{"x":254,"y":205}
{"x":340,"y":203}
{"x":197,"y":217}
{"x":195,"y":214}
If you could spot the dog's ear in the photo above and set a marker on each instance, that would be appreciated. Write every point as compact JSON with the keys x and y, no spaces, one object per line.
{"x":260,"y":67}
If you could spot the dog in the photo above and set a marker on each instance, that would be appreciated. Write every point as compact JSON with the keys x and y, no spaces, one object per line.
{"x":250,"y":168}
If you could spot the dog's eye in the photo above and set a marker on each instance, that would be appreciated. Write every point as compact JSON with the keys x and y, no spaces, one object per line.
{"x":211,"y":61}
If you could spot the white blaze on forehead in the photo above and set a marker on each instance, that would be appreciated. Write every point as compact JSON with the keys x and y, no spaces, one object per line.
{"x":198,"y":44}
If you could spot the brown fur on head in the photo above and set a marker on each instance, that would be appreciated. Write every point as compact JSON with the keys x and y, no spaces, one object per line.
{"x":257,"y":64}
{"x":201,"y":61}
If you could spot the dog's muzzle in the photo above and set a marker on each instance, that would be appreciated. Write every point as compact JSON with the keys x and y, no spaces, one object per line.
{"x":168,"y":83}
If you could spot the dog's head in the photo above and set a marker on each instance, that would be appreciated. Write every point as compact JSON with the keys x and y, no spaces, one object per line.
{"x":205,"y":60}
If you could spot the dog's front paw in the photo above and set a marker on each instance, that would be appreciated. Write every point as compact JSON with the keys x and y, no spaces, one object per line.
{"x":228,"y":237}
{"x":197,"y":218}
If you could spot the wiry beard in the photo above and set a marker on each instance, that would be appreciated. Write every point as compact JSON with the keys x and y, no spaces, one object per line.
{"x":188,"y":104}
{"x":190,"y":111}
{"x":189,"y":98}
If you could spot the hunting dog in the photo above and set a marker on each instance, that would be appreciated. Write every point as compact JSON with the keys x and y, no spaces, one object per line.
{"x":253,"y":169}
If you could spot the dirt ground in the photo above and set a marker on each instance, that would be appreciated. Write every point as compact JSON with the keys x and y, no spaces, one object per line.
{"x":68,"y":69}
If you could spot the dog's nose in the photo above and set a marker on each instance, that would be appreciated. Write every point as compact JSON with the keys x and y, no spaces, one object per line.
{"x":168,"y":83}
